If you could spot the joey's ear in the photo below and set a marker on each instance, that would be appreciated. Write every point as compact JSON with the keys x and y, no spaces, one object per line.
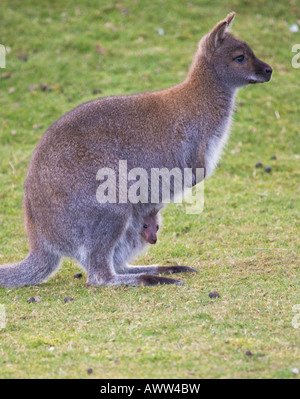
{"x":216,"y":36}
{"x":154,"y":212}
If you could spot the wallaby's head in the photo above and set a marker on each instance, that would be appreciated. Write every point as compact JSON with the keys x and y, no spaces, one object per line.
{"x":150,"y":228}
{"x":233,"y":60}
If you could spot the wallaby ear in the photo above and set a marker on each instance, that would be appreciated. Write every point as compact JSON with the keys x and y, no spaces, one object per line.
{"x":217,"y":34}
{"x":229,"y":19}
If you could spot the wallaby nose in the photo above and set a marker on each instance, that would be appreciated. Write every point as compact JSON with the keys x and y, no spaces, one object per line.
{"x":154,"y":240}
{"x":268,"y":70}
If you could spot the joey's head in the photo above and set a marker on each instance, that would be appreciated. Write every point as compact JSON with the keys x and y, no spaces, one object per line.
{"x":233,"y":61}
{"x":150,"y":228}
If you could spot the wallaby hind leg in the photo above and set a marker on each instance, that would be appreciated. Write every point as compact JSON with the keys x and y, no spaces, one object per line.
{"x":34,"y":269}
{"x":101,"y":268}
{"x":101,"y":272}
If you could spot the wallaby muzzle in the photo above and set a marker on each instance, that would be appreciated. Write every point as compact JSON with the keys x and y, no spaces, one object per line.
{"x":263,"y":72}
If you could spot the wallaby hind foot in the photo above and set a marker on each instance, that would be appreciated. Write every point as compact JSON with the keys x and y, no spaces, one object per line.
{"x":155,"y":269}
{"x":134,"y":280}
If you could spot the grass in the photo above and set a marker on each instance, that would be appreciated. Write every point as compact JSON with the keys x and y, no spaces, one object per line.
{"x":245,"y":244}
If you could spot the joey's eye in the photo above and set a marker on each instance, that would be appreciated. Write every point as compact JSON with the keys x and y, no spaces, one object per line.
{"x":157,"y":228}
{"x":145,"y":226}
{"x":240,"y":59}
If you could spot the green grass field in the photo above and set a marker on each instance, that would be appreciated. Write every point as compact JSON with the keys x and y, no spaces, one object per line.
{"x":245,"y":243}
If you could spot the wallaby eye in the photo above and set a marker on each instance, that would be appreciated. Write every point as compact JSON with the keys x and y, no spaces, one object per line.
{"x":145,"y":226}
{"x":240,"y":59}
{"x":157,"y":228}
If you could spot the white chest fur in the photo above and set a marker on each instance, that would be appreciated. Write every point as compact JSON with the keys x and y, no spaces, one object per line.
{"x":216,"y":144}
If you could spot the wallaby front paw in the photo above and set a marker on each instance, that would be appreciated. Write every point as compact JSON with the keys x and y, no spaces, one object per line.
{"x":175,"y":269}
{"x":181,"y":269}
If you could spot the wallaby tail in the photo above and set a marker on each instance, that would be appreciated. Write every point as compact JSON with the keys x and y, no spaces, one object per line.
{"x":34,"y":269}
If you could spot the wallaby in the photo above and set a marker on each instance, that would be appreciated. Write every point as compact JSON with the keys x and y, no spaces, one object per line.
{"x":134,"y":241}
{"x":150,"y":229}
{"x":185,"y":126}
